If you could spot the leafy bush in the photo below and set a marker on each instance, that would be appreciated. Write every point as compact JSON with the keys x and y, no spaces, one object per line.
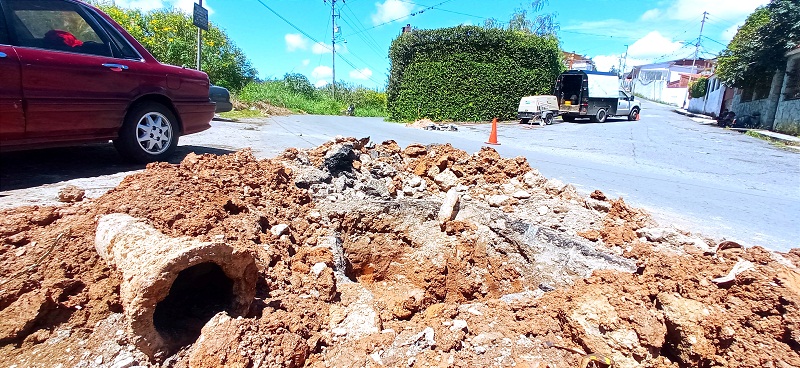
{"x":697,"y":89}
{"x":299,"y":83}
{"x":172,"y":38}
{"x":468,"y":73}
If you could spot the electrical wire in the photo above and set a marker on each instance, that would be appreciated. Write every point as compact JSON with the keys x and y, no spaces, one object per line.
{"x":401,"y":18}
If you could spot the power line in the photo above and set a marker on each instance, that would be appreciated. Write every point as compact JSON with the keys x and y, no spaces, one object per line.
{"x":401,"y":18}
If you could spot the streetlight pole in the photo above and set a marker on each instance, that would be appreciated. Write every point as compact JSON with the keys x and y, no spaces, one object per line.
{"x":199,"y":41}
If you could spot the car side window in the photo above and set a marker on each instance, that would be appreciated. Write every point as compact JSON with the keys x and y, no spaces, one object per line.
{"x":55,"y":25}
{"x":3,"y":29}
{"x":622,"y":95}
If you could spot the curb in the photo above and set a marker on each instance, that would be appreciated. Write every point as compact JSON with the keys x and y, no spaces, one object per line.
{"x":791,"y":141}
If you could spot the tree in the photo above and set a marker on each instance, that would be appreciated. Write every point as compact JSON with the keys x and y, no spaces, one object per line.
{"x":759,"y":47}
{"x":172,"y":38}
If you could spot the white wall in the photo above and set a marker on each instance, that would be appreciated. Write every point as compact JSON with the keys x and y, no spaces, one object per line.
{"x":711,"y":103}
{"x":658,"y":91}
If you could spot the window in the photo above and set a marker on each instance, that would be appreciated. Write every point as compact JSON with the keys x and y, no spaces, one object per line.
{"x":792,"y":91}
{"x":55,"y":25}
{"x":3,"y":30}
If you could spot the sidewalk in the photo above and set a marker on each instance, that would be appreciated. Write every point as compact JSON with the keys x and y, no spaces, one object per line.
{"x":786,"y":139}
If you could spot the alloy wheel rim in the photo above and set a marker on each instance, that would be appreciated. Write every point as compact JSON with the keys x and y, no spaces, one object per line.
{"x":154,"y":133}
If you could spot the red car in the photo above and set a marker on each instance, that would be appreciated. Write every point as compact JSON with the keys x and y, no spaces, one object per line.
{"x":69,"y":75}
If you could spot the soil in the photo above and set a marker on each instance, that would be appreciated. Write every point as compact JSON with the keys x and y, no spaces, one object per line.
{"x":367,"y":275}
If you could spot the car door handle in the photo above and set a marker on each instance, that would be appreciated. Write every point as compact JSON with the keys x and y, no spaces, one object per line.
{"x":115,"y":67}
{"x":3,"y":54}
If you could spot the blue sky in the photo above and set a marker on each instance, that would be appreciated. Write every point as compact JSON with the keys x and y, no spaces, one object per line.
{"x":657,"y":30}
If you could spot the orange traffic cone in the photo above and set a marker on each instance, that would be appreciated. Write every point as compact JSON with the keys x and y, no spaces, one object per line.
{"x":493,"y":135}
{"x":638,"y":113}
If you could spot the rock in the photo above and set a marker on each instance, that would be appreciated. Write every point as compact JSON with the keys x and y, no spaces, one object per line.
{"x":279,"y":229}
{"x":318,"y":268}
{"x":373,"y":187}
{"x":71,"y":194}
{"x":449,"y":208}
{"x":521,"y":194}
{"x":126,"y":362}
{"x":554,"y":186}
{"x":497,"y":200}
{"x":307,"y":176}
{"x":446,"y":179}
{"x":546,"y":287}
{"x":339,"y":158}
{"x":382,"y":169}
{"x":416,"y":182}
{"x":415,"y":150}
{"x":508,"y":188}
{"x":19,"y":318}
{"x":459,"y":324}
{"x":598,"y":195}
{"x":421,"y":341}
{"x":655,"y":235}
{"x":533,"y":178}
{"x":685,"y":319}
{"x":543,"y":210}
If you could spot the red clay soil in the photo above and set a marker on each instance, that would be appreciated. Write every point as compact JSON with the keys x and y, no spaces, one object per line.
{"x":666,"y":314}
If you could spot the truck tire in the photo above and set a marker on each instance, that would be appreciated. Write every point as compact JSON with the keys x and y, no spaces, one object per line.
{"x":634,"y":114}
{"x":600,"y":116}
{"x":149,"y":133}
{"x":547,"y":119}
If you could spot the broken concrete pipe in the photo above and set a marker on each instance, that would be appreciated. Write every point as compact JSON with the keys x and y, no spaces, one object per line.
{"x":172,"y":286}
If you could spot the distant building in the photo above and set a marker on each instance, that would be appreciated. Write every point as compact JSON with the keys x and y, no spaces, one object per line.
{"x":407,"y":29}
{"x":668,"y":81}
{"x":578,"y":62}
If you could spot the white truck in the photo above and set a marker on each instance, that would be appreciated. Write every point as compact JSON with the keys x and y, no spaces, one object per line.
{"x":593,"y":95}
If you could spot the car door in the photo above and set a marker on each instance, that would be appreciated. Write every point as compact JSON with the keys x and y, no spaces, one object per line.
{"x":12,"y":118}
{"x":623,"y":104}
{"x":72,"y":85}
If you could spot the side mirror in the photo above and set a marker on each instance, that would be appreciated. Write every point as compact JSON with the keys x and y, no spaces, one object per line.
{"x":631,"y":98}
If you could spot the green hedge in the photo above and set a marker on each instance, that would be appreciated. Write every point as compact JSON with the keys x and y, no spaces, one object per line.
{"x":697,"y":89}
{"x":468,"y":73}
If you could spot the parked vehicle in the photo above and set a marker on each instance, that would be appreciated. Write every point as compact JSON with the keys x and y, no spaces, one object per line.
{"x":539,"y":109}
{"x":593,"y":95}
{"x":71,"y":75}
{"x":221,"y":98}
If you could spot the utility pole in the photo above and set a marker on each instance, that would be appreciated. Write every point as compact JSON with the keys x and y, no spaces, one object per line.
{"x":625,"y":63}
{"x":199,"y":41}
{"x":696,"y":50}
{"x":333,"y":44}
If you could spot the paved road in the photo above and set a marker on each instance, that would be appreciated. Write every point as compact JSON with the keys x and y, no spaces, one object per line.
{"x":698,"y":177}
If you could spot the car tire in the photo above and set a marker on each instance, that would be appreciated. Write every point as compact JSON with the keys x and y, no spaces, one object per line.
{"x":568,"y":119}
{"x":149,"y":133}
{"x":600,"y":116}
{"x":524,"y":121}
{"x":634,"y":114}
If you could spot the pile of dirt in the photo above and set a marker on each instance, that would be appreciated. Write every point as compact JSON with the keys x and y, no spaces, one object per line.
{"x":373,"y":255}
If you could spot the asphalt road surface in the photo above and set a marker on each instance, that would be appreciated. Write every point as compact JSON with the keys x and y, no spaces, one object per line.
{"x":686,"y":172}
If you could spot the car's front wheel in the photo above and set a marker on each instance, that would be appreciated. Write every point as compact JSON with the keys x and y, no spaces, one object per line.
{"x":149,"y":133}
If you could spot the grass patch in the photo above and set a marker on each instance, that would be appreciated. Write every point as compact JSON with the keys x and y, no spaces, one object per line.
{"x":296,"y":93}
{"x":241,"y":114}
{"x":772,"y":141}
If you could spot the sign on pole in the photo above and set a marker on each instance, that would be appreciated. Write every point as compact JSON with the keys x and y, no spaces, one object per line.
{"x":200,"y":18}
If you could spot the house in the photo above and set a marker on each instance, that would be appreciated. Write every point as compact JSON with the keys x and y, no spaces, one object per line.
{"x":667,"y":81}
{"x":776,"y":100}
{"x":717,"y":99}
{"x":578,"y":62}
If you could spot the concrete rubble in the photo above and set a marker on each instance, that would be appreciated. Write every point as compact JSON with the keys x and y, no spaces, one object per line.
{"x":358,"y":253}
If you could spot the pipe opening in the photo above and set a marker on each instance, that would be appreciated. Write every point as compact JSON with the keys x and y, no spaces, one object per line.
{"x":198,"y":293}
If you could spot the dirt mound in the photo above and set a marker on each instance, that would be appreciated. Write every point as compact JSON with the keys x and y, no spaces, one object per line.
{"x":357,"y":266}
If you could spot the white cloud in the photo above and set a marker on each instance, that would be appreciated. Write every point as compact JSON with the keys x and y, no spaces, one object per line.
{"x":186,"y":6}
{"x":321,"y":83}
{"x":306,"y":62}
{"x":720,"y":9}
{"x":320,"y":48}
{"x":322,"y":72}
{"x":390,"y":10}
{"x":362,"y":74}
{"x":295,"y":41}
{"x":605,"y":62}
{"x":650,"y":15}
{"x":727,"y":34}
{"x":653,"y":45}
